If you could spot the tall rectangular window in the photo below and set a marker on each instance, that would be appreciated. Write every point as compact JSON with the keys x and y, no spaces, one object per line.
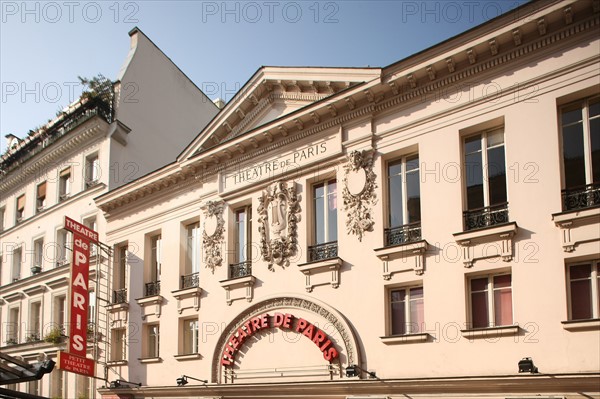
{"x":192,"y":256}
{"x":118,"y":348}
{"x":33,"y":387}
{"x":92,"y":170}
{"x":35,"y":321}
{"x":324,"y":221}
{"x":243,"y":243}
{"x":407,"y":311}
{"x":40,"y":199}
{"x":20,"y":210}
{"x":17,"y":259}
{"x":119,"y":277}
{"x":91,"y":223}
{"x":38,"y":256}
{"x":2,"y":214}
{"x":152,"y":340}
{"x":190,"y":336}
{"x":13,"y":326}
{"x":580,"y":126}
{"x":63,"y":247}
{"x":485,"y":177}
{"x":404,"y":199}
{"x":491,"y":301}
{"x":64,"y":184}
{"x":152,"y":287}
{"x":60,"y":308}
{"x":57,"y":383}
{"x":584,"y":287}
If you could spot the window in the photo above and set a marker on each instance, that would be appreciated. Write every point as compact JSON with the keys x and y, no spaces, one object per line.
{"x":153,"y":285}
{"x":20,"y":208}
{"x":152,"y":341}
{"x":243,"y":243}
{"x":190,"y":336}
{"x":12,"y":328}
{"x":580,"y":125}
{"x":35,"y":321}
{"x":17,"y":259}
{"x":2,"y":213}
{"x":118,"y":345}
{"x":33,"y":387}
{"x":64,"y":184}
{"x":584,"y":286}
{"x":192,"y":256}
{"x":92,"y":170}
{"x":92,"y":308}
{"x":83,"y":387}
{"x":40,"y":199}
{"x":324,"y":221}
{"x":491,"y":301}
{"x":63,"y":239}
{"x":406,"y":308}
{"x":485,"y":176}
{"x":60,"y":317}
{"x":38,"y":256}
{"x":91,"y":223}
{"x":120,"y":290}
{"x":404,"y":199}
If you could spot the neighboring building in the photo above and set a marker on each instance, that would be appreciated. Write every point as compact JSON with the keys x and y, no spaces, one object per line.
{"x":432,"y":223}
{"x":121,"y":131}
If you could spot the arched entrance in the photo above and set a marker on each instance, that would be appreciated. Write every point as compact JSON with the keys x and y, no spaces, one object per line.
{"x":283,"y":335}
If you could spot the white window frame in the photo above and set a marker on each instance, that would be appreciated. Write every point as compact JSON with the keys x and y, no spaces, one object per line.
{"x":194,"y":345}
{"x":484,"y":163}
{"x":403,"y":178}
{"x":16,"y":268}
{"x":152,"y":351}
{"x":2,"y":217}
{"x":65,"y":183}
{"x":587,"y":140}
{"x":246,"y":235}
{"x":193,"y":237}
{"x":31,"y":328}
{"x":118,"y":348}
{"x":595,"y":292}
{"x":38,"y":207}
{"x":92,"y":170}
{"x":326,"y":193}
{"x":491,"y":309}
{"x":38,"y":252}
{"x":20,"y":215}
{"x":407,"y":316}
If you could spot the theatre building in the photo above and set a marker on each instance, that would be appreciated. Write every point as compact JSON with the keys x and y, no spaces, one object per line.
{"x":429,"y":229}
{"x":101,"y":141}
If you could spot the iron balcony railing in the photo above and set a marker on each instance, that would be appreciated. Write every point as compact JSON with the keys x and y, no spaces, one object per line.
{"x":323,"y":251}
{"x":151,"y":289}
{"x":486,"y":216}
{"x":581,"y":197}
{"x":402,"y":234}
{"x":190,"y":280}
{"x":120,"y":295}
{"x":241,"y":269}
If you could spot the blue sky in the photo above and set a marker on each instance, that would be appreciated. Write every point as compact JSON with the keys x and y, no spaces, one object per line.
{"x":45,"y":45}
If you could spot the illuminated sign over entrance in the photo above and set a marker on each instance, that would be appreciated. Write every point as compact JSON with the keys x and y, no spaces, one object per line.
{"x":283,"y":321}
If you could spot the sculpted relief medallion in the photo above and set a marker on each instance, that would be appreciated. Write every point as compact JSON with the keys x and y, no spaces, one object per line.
{"x":279,"y":213}
{"x":212,"y":235}
{"x":359,"y":193}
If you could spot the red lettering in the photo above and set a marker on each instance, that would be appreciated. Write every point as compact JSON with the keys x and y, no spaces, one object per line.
{"x":319,"y":337}
{"x":248,"y":326}
{"x":264,"y":321}
{"x":255,"y":324}
{"x":331,"y":354}
{"x":241,"y":334}
{"x":234,"y":342}
{"x":287,"y":320}
{"x":277,"y":320}
{"x":309,"y":331}
{"x":301,"y":325}
{"x":325,"y":346}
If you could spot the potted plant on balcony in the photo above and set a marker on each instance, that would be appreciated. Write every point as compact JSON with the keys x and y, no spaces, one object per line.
{"x":54,"y":336}
{"x":11,"y":341}
{"x":33,"y":337}
{"x":36,"y":269}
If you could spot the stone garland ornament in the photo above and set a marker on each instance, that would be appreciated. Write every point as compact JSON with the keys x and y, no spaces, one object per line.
{"x":212,"y":236}
{"x":279,"y":213}
{"x":359,"y":193}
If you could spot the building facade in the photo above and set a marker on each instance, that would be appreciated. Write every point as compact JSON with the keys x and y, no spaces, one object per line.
{"x":412,"y":231}
{"x":105,"y":139}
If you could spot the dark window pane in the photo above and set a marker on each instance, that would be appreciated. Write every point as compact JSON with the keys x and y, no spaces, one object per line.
{"x":581,"y":299}
{"x":398,"y":316}
{"x":479,"y":284}
{"x":479,"y":306}
{"x":412,"y":163}
{"x":581,"y":271}
{"x":595,"y":144}
{"x":472,"y":144}
{"x":497,"y":175}
{"x":502,"y":281}
{"x":571,"y":115}
{"x":398,"y":295}
{"x":413,"y":196}
{"x":474,"y":176}
{"x":573,"y":156}
{"x":332,"y":212}
{"x":319,"y":221}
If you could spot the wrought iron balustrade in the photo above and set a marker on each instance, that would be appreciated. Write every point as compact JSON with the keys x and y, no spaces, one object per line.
{"x":402,"y":234}
{"x":120,"y":295}
{"x":190,"y":280}
{"x":324,"y":251}
{"x":241,"y":269}
{"x":582,"y":197}
{"x":152,"y":288}
{"x":486,"y":216}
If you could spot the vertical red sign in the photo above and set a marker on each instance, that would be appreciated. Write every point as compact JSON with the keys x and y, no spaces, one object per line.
{"x":80,"y":270}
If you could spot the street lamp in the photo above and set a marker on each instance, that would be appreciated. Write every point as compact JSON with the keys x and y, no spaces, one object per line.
{"x":183,"y":380}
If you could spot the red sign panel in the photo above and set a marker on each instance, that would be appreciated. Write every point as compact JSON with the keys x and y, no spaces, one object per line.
{"x":76,"y":364}
{"x":283,"y":321}
{"x":79,"y":297}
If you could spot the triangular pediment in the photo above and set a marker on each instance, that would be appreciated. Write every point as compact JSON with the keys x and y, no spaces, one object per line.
{"x":272,"y":93}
